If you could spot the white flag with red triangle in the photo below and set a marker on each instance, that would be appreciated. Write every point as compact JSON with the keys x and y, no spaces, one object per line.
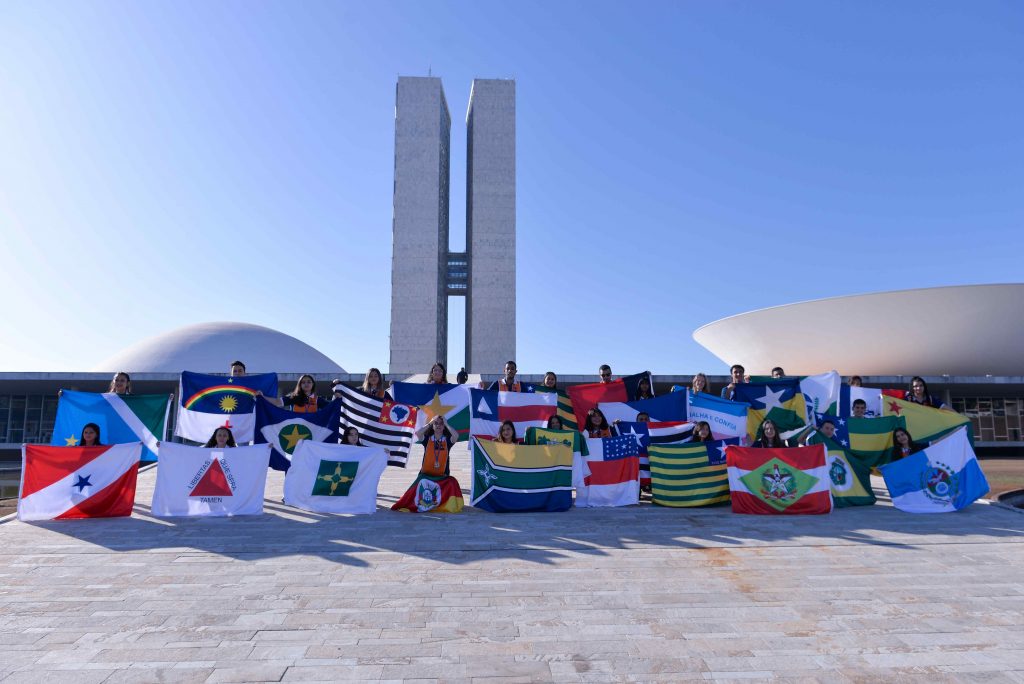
{"x":197,"y":481}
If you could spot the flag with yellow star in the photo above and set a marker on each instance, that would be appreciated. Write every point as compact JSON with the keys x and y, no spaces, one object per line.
{"x":334,"y":478}
{"x":207,"y":402}
{"x":450,"y":401}
{"x":122,"y":419}
{"x":284,"y":430}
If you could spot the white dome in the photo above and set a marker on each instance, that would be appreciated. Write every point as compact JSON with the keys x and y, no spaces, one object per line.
{"x":211,"y":347}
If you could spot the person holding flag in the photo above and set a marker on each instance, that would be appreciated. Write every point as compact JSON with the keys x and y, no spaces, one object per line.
{"x":903,"y":445}
{"x":701,"y":433}
{"x":769,"y":437}
{"x":434,"y":488}
{"x":121,"y":383}
{"x":596,"y":425}
{"x":351,"y":436}
{"x":506,"y":433}
{"x":699,"y":383}
{"x":90,"y":435}
{"x":918,"y":393}
{"x":438,"y":375}
{"x":303,"y":399}
{"x":373,"y":384}
{"x":736,"y":372}
{"x":507,"y":383}
{"x":221,"y":439}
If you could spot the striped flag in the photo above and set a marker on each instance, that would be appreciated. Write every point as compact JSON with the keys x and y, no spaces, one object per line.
{"x":614,"y":478}
{"x":489,"y":409}
{"x":687,"y":475}
{"x":364,"y":412}
{"x":647,"y":434}
{"x":518,"y":477}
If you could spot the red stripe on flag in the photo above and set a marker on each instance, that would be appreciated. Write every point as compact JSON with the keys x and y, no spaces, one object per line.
{"x":586,"y":397}
{"x":45,"y":465}
{"x":115,"y":500}
{"x":614,"y":472}
{"x":522,"y":414}
{"x":809,"y":504}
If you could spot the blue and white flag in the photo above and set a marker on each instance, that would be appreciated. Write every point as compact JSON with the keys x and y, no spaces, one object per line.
{"x":871,"y":396}
{"x":667,"y":408}
{"x":727,"y":419}
{"x":942,"y":478}
{"x":122,"y":419}
{"x":207,"y":402}
{"x":284,"y":429}
{"x":821,"y":393}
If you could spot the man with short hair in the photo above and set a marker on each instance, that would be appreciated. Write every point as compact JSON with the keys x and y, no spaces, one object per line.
{"x":237,"y":369}
{"x":860,"y":407}
{"x":737,"y":378}
{"x":605,"y":373}
{"x":777,"y":373}
{"x":507,"y":383}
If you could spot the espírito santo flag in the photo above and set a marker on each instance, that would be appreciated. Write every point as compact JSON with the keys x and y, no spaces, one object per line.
{"x":772,"y":481}
{"x":122,"y":419}
{"x":284,"y":429}
{"x":519,"y":477}
{"x":334,"y":478}
{"x":208,"y":402}
{"x":450,"y":401}
{"x":201,"y":482}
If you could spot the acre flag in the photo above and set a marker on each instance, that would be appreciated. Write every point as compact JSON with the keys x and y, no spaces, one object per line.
{"x":78,"y":482}
{"x":687,"y":475}
{"x":512,"y":478}
{"x":924,"y":423}
{"x":489,"y":409}
{"x":334,"y":478}
{"x":943,"y":477}
{"x":727,"y":419}
{"x":614,"y":480}
{"x":380,"y":422}
{"x":122,"y":419}
{"x":196,"y":481}
{"x":284,"y":430}
{"x":208,"y":402}
{"x":450,"y":401}
{"x":779,"y":481}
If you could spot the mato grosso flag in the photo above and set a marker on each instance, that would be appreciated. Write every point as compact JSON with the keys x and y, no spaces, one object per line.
{"x":78,"y":482}
{"x":688,"y":475}
{"x":122,"y":419}
{"x":380,"y":422}
{"x":772,"y":481}
{"x":450,"y":401}
{"x":201,"y":482}
{"x":208,"y":402}
{"x":284,"y":430}
{"x":334,"y":478}
{"x":944,"y":477}
{"x":519,"y":477}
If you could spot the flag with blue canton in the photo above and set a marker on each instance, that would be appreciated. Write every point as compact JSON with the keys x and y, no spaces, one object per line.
{"x":842,"y":433}
{"x":208,"y":402}
{"x":716,"y":449}
{"x":781,"y":400}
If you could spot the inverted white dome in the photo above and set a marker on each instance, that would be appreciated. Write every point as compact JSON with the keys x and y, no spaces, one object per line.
{"x":211,"y":347}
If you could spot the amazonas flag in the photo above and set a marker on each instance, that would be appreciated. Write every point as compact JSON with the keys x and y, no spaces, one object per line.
{"x":614,"y":479}
{"x":450,"y":401}
{"x":283,"y":430}
{"x":517,"y":477}
{"x":78,"y":482}
{"x":773,"y":481}
{"x":196,"y":481}
{"x":489,"y":409}
{"x":334,"y":478}
{"x":122,"y":419}
{"x":212,"y":401}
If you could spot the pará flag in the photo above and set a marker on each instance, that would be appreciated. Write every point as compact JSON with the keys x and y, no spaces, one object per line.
{"x":924,"y":423}
{"x":122,"y":419}
{"x":783,"y":396}
{"x":208,"y":402}
{"x":943,"y":477}
{"x":727,"y":419}
{"x":849,"y":477}
{"x":614,"y":479}
{"x":201,"y":482}
{"x":686,"y":475}
{"x":450,"y":401}
{"x":667,"y":408}
{"x":334,"y":478}
{"x":821,"y":393}
{"x":489,"y":409}
{"x":511,"y":478}
{"x":869,"y":440}
{"x":871,"y":396}
{"x":283,"y":430}
{"x":78,"y":482}
{"x":570,"y":438}
{"x":364,"y":413}
{"x":772,"y":481}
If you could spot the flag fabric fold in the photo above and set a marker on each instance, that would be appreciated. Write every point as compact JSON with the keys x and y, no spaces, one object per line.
{"x":510,"y":478}
{"x":284,"y":430}
{"x":122,"y":419}
{"x":647,"y":434}
{"x":375,"y":419}
{"x":450,"y":401}
{"x":791,"y":481}
{"x":207,"y":402}
{"x":821,"y":393}
{"x":942,"y":478}
{"x":667,"y":408}
{"x":201,"y":482}
{"x":780,"y":400}
{"x":570,"y":438}
{"x":614,"y":480}
{"x":490,"y":408}
{"x":849,"y":476}
{"x":334,"y":478}
{"x":727,"y":419}
{"x":688,"y":475}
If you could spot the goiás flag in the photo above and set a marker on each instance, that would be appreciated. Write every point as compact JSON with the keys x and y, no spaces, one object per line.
{"x":489,"y":409}
{"x":59,"y":483}
{"x":512,"y":478}
{"x":283,"y":430}
{"x":207,"y":402}
{"x":781,"y":400}
{"x":334,"y":478}
{"x":365,"y":414}
{"x":689,"y":475}
{"x":570,"y":438}
{"x":944,"y":477}
{"x":431,"y":400}
{"x":925,"y":423}
{"x":791,"y":481}
{"x":647,"y":434}
{"x":614,"y":480}
{"x":398,"y":415}
{"x":667,"y":408}
{"x":726,"y":418}
{"x":849,"y":476}
{"x":122,"y":419}
{"x":201,"y":482}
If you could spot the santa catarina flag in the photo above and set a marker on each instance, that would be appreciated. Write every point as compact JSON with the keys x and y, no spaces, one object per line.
{"x":687,"y":475}
{"x":773,"y":481}
{"x":871,"y":396}
{"x":489,"y":409}
{"x":509,"y":478}
{"x":334,"y":478}
{"x":570,"y":438}
{"x":667,"y":408}
{"x":943,"y":477}
{"x":196,"y":481}
{"x":727,"y":419}
{"x":78,"y":482}
{"x":821,"y":393}
{"x":924,"y":423}
{"x":377,"y":421}
{"x":122,"y":419}
{"x":784,"y":395}
{"x":614,"y":480}
{"x":208,"y":402}
{"x":849,"y":476}
{"x":450,"y":401}
{"x":283,"y":430}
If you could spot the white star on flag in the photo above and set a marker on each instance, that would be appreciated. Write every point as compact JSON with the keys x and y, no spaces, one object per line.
{"x":636,"y":436}
{"x":771,"y":399}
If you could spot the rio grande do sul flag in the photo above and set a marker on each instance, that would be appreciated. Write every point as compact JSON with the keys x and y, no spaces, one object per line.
{"x":944,"y":477}
{"x":78,"y":482}
{"x":779,"y":481}
{"x":334,"y":478}
{"x":122,"y":419}
{"x":208,"y":402}
{"x":200,"y":482}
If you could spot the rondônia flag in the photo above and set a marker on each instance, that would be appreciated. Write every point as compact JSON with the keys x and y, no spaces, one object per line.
{"x":779,"y":481}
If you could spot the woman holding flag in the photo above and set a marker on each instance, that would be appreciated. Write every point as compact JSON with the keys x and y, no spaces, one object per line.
{"x":222,"y":438}
{"x":596,"y":425}
{"x":434,"y":488}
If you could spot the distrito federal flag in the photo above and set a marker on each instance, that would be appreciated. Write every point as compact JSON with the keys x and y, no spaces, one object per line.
{"x":334,"y":478}
{"x":197,"y":481}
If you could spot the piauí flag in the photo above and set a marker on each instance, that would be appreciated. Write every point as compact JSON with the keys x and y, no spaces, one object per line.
{"x":334,"y":478}
{"x":511,"y":478}
{"x":122,"y":419}
{"x":398,"y":415}
{"x":772,"y":481}
{"x":849,"y":476}
{"x":727,"y":419}
{"x":489,"y":409}
{"x":450,"y":401}
{"x":196,"y":481}
{"x":943,"y":477}
{"x":208,"y":402}
{"x":871,"y":396}
{"x":924,"y":423}
{"x":687,"y":475}
{"x":764,"y":397}
{"x":78,"y":482}
{"x":614,"y":479}
{"x":867,"y":439}
{"x":667,"y":408}
{"x":364,"y":413}
{"x":647,"y":434}
{"x":570,"y":438}
{"x":283,"y":430}
{"x":431,"y":495}
{"x":821,"y":393}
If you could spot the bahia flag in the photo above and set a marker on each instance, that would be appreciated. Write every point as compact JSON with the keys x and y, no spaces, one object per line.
{"x":208,"y":402}
{"x":450,"y":401}
{"x":614,"y":479}
{"x":122,"y":419}
{"x":570,"y":438}
{"x":489,"y":409}
{"x":201,"y":482}
{"x":687,"y":475}
{"x":871,"y":396}
{"x":379,"y":422}
{"x":283,"y":430}
{"x":60,"y":483}
{"x":849,"y":476}
{"x":821,"y":393}
{"x":514,"y":478}
{"x":667,"y":408}
{"x":781,"y":400}
{"x":334,"y":478}
{"x":728,"y":419}
{"x":943,"y":477}
{"x":779,"y":481}
{"x":924,"y":423}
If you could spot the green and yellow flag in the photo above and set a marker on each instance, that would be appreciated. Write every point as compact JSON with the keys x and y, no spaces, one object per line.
{"x":924,"y":423}
{"x":849,"y":477}
{"x":683,"y":476}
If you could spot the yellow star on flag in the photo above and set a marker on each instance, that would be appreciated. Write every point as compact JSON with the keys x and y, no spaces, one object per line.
{"x":435,"y":408}
{"x":293,"y":438}
{"x":71,"y":441}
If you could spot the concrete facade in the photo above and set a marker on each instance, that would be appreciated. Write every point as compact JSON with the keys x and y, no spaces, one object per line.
{"x":419,"y":303}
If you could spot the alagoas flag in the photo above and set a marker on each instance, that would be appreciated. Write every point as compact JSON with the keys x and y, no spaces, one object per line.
{"x":489,"y":409}
{"x":924,"y":423}
{"x":78,"y":482}
{"x":208,"y":402}
{"x":687,"y":475}
{"x":781,"y":400}
{"x":614,"y":479}
{"x":849,"y":476}
{"x":779,"y":481}
{"x":334,"y":478}
{"x":450,"y":401}
{"x":196,"y":481}
{"x":667,"y":408}
{"x":284,"y":429}
{"x":944,"y":477}
{"x":122,"y":419}
{"x":512,"y":478}
{"x":727,"y":419}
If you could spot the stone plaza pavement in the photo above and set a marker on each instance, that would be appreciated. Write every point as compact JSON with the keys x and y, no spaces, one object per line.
{"x":631,"y":594}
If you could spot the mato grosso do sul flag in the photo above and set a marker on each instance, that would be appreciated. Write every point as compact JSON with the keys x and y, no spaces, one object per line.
{"x":284,"y":430}
{"x":122,"y":419}
{"x":773,"y":481}
{"x":943,"y":477}
{"x":208,"y":402}
{"x":78,"y":482}
{"x":511,"y":478}
{"x":334,"y":478}
{"x":201,"y":482}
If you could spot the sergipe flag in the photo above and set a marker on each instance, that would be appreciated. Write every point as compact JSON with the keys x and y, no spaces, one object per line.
{"x":398,"y":415}
{"x":871,"y":396}
{"x":943,"y":477}
{"x":614,"y":480}
{"x":489,"y":409}
{"x":779,"y":481}
{"x":365,"y":414}
{"x":122,"y":419}
{"x":924,"y":423}
{"x":667,"y":408}
{"x":201,"y":482}
{"x":284,"y":430}
{"x":587,"y":396}
{"x":687,"y":475}
{"x":513,"y":478}
{"x":208,"y":402}
{"x":450,"y":401}
{"x":781,"y":400}
{"x":60,"y":483}
{"x":334,"y":478}
{"x":727,"y":419}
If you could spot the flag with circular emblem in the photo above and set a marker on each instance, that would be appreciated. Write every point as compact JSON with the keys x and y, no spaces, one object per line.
{"x":334,"y":478}
{"x":284,"y":430}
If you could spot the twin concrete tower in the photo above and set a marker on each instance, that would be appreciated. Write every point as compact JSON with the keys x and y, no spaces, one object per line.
{"x":424,"y":273}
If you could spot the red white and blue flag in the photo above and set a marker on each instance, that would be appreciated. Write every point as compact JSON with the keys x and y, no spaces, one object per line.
{"x":489,"y":409}
{"x":614,"y":477}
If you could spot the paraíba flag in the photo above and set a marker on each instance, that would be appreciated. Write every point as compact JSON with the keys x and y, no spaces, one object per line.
{"x":781,"y":400}
{"x":366,"y":414}
{"x":489,"y":409}
{"x":687,"y":475}
{"x":212,"y":401}
{"x":773,"y":481}
{"x":196,"y":481}
{"x":122,"y":419}
{"x":727,"y":419}
{"x":614,"y":480}
{"x":943,"y":477}
{"x":668,"y":408}
{"x":334,"y":478}
{"x":450,"y":401}
{"x":924,"y":423}
{"x":511,"y":478}
{"x":283,"y":430}
{"x":78,"y":482}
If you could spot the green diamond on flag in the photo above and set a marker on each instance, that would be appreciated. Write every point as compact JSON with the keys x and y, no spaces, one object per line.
{"x":335,"y":478}
{"x":778,"y":484}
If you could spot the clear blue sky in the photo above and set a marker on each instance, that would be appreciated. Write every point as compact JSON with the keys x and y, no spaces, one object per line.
{"x":165,"y":163}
